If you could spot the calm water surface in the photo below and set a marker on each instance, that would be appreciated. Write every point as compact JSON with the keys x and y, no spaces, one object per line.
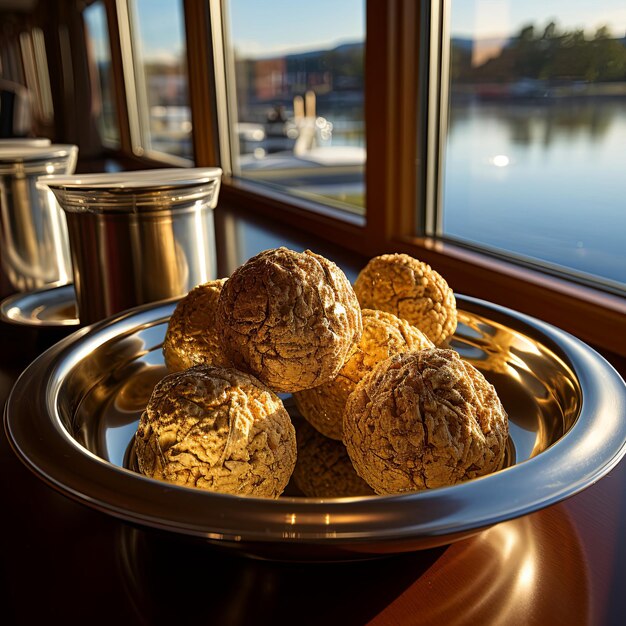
{"x":562,"y":196}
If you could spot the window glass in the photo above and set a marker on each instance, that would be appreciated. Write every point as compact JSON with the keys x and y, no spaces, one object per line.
{"x":10,"y":61}
{"x":298,"y":97}
{"x":159,"y":52}
{"x":99,"y":51}
{"x":534,"y":152}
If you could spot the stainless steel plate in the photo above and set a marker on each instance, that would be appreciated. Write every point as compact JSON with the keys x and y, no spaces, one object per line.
{"x":72,"y":415}
{"x":53,"y":306}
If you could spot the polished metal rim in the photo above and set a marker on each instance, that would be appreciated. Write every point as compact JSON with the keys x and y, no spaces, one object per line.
{"x":49,"y":306}
{"x":587,"y":451}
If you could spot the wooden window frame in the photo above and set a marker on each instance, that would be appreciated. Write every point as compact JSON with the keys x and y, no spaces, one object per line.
{"x":395,"y":140}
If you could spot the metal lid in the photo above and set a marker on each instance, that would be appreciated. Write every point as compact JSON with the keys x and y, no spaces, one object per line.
{"x":38,"y":142}
{"x":20,"y":159}
{"x":14,"y":152}
{"x":134,"y":180}
{"x":143,"y":191}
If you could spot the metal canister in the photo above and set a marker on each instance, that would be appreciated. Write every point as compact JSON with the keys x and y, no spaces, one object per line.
{"x":35,"y":248}
{"x":138,"y":237}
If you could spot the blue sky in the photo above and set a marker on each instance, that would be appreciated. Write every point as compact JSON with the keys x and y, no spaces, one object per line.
{"x":261,"y":27}
{"x":267,"y":27}
{"x":161,"y":28}
{"x":296,"y":25}
{"x":501,"y":18}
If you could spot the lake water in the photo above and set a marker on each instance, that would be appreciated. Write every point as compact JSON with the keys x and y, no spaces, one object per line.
{"x":546,"y":180}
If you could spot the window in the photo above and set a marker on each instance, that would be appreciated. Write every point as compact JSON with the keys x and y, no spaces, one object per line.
{"x":99,"y":50}
{"x":461,"y":165}
{"x":535,"y":134}
{"x":409,"y":177}
{"x":159,"y":98}
{"x":296,"y":95}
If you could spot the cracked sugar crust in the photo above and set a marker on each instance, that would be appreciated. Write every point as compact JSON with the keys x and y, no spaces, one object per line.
{"x":217,"y":429}
{"x":191,"y":337}
{"x":323,"y":468}
{"x":289,"y":318}
{"x":384,"y":334}
{"x":422,"y":420}
{"x":410,"y":289}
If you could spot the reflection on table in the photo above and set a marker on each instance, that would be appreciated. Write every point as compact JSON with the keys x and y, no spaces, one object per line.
{"x":505,"y":575}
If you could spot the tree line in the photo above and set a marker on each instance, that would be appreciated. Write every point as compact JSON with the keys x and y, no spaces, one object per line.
{"x":550,"y":54}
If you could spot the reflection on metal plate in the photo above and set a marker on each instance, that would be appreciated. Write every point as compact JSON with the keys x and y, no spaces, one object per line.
{"x":55,"y":306}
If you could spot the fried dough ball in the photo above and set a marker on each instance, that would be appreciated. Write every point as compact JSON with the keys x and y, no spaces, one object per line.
{"x":217,"y":429}
{"x":191,"y":337}
{"x":424,"y":419}
{"x":323,"y":468}
{"x":410,"y":289}
{"x":384,"y":334}
{"x":289,"y":318}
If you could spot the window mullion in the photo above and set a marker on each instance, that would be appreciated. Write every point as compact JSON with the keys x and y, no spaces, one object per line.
{"x":130,"y":83}
{"x":435,"y":119}
{"x":200,"y":64}
{"x":225,"y":131}
{"x":379,"y":122}
{"x":117,"y":72}
{"x":393,"y":183}
{"x":407,"y":208}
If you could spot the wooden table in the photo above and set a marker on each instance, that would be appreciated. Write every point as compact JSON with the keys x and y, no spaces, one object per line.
{"x":65,"y":563}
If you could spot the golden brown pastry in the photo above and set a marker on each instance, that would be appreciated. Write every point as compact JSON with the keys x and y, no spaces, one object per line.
{"x":410,"y":289}
{"x":191,"y":337}
{"x":424,"y":419}
{"x":217,"y":429}
{"x":384,"y":334}
{"x":289,"y":318}
{"x":323,"y":468}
